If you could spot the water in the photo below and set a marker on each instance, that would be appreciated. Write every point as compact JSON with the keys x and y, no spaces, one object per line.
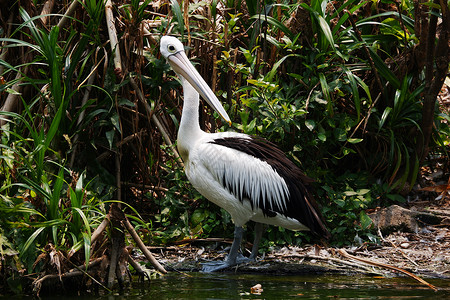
{"x":237,"y":286}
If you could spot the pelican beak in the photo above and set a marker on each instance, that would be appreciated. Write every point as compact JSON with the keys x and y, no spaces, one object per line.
{"x":181,"y":65}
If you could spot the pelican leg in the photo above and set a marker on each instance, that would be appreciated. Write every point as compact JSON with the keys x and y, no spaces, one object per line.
{"x":259,"y":230}
{"x":232,"y":257}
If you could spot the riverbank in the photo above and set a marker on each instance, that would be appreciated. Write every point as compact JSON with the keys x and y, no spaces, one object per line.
{"x":420,"y":245}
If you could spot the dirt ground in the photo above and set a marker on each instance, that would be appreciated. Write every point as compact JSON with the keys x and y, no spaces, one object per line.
{"x":423,"y":250}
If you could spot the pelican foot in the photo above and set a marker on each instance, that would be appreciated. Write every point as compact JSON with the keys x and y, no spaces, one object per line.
{"x":241,"y":259}
{"x":214,"y":266}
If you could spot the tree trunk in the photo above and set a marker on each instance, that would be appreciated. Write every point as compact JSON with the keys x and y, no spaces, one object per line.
{"x":436,"y":68}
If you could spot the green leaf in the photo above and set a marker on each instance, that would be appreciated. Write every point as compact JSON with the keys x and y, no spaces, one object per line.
{"x":340,"y":134}
{"x":87,"y":248}
{"x":383,"y":119}
{"x":110,"y":137}
{"x":354,"y":140}
{"x":326,"y":92}
{"x":56,"y":194}
{"x":350,"y":193}
{"x":126,"y":102}
{"x":115,"y":122}
{"x":30,"y":240}
{"x":355,"y":93}
{"x":322,"y":137}
{"x":326,"y":31}
{"x":310,"y":124}
{"x":365,"y":220}
{"x":384,"y":70}
{"x":396,"y":198}
{"x":340,"y":202}
{"x":272,"y":72}
{"x":274,"y":22}
{"x":363,"y":191}
{"x":84,"y":218}
{"x":13,"y":92}
{"x":178,"y":15}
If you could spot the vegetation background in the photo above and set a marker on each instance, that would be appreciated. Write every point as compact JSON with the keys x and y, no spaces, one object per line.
{"x":353,"y":91}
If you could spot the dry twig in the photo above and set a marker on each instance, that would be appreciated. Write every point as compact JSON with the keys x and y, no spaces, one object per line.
{"x":155,"y":120}
{"x":380,"y":265}
{"x":143,"y":248}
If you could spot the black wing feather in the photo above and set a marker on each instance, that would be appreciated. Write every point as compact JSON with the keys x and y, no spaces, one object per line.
{"x":301,"y":204}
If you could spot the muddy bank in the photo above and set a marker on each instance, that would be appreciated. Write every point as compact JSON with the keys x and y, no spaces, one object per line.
{"x":415,"y":239}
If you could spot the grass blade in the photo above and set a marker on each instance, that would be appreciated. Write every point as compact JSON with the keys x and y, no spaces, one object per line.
{"x":30,"y":240}
{"x":178,"y":15}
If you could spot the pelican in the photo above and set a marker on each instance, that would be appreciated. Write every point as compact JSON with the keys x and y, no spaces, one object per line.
{"x":247,"y":176}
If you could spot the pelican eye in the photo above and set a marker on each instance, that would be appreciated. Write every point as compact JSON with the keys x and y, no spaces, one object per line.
{"x":171,"y":48}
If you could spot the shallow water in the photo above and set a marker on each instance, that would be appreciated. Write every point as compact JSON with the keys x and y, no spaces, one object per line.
{"x":237,"y":286}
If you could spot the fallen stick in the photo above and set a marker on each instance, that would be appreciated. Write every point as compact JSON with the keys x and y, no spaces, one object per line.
{"x":190,"y":241}
{"x":141,"y":246}
{"x":335,"y":260}
{"x":381,"y":265}
{"x":395,"y":247}
{"x":138,"y":268}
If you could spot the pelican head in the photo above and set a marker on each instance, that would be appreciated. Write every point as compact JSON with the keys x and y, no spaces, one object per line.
{"x":172,"y":49}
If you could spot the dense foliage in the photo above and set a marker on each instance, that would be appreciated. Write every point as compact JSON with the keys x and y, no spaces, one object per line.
{"x":347,"y":89}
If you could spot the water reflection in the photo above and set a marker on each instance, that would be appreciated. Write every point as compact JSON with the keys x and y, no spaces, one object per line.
{"x":237,"y":286}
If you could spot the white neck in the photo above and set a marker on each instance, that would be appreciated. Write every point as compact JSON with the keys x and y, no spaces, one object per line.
{"x":189,"y":131}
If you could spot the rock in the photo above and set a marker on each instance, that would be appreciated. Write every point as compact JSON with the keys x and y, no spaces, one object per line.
{"x":405,"y":245}
{"x":394,"y":218}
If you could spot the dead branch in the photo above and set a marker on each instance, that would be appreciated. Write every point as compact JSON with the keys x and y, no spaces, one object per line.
{"x":381,"y":265}
{"x":113,"y":38}
{"x":334,"y":260}
{"x":70,"y":11}
{"x":11,"y":102}
{"x":46,"y":10}
{"x":190,"y":241}
{"x":100,"y":229}
{"x":138,"y":268}
{"x":77,"y":271}
{"x":143,"y":248}
{"x":156,"y":121}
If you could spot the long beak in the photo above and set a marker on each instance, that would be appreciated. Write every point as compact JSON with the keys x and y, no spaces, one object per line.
{"x":181,"y":65}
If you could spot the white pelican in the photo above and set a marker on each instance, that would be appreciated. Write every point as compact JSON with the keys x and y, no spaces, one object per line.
{"x":247,"y":176}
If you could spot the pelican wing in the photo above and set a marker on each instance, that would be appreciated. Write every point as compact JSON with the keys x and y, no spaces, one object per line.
{"x":255,"y":169}
{"x":246,"y":176}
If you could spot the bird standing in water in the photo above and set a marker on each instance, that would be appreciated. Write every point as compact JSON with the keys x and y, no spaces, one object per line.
{"x":247,"y":176}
